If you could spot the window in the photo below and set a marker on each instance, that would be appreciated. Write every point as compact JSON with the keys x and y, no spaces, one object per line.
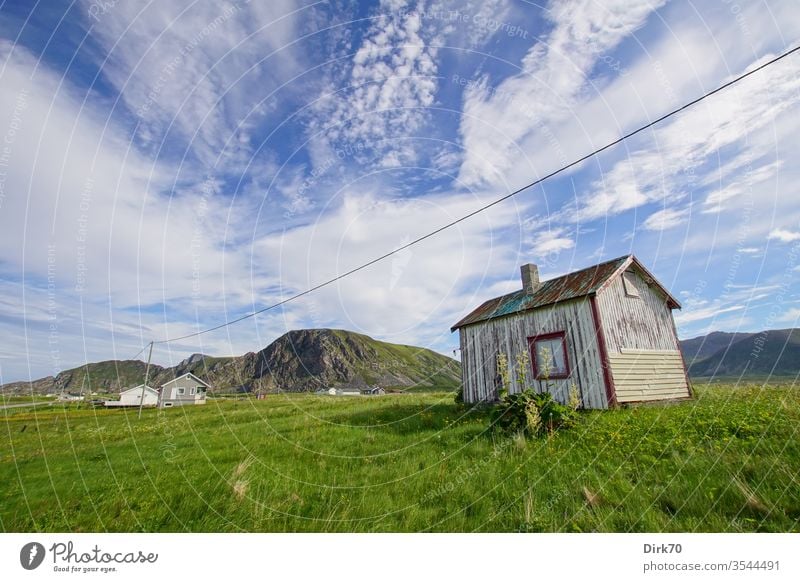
{"x":181,"y":391}
{"x":629,"y":283}
{"x":191,"y":391}
{"x":549,"y":356}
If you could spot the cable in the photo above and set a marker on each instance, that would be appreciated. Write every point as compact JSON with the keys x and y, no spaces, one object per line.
{"x":140,"y":351}
{"x":487,"y":206}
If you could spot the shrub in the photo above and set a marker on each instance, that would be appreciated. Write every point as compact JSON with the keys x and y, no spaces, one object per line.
{"x":529,"y":412}
{"x":532,"y":414}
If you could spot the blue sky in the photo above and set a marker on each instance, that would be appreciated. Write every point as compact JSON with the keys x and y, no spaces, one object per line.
{"x":165,"y":167}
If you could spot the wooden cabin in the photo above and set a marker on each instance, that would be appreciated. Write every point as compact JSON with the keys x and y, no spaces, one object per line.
{"x":606,"y":330}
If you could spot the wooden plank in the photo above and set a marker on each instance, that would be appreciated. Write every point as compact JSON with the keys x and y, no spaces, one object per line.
{"x":651,"y":397}
{"x":676,"y":363}
{"x":645,"y":357}
{"x":665,"y":390}
{"x":627,"y":380}
{"x":629,"y":352}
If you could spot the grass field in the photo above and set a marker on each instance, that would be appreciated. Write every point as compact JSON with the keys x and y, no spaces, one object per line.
{"x":727,"y":461}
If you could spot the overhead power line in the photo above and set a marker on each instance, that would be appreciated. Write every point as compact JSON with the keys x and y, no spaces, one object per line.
{"x":491,"y":204}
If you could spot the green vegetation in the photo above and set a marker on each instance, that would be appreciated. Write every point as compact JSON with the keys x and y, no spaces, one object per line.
{"x":727,"y":461}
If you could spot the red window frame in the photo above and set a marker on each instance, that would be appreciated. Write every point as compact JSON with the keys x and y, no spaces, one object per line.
{"x":532,"y":351}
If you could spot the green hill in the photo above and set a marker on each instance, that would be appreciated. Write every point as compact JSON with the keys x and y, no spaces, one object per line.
{"x":768,"y":353}
{"x":298,"y":361}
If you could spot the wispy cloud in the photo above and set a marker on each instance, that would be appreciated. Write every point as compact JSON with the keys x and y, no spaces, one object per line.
{"x":191,"y":67}
{"x":551,"y":76}
{"x":666,"y":219}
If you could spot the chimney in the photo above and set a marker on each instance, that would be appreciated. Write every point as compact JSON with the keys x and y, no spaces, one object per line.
{"x":530,"y":278}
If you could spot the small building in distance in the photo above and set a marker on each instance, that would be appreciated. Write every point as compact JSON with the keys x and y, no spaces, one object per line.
{"x":70,"y":397}
{"x":133,"y":397}
{"x":183,"y":390}
{"x":606,"y":330}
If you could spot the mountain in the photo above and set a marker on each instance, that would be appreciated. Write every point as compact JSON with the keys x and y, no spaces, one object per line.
{"x":109,"y":376}
{"x":298,"y":361}
{"x":702,"y":347}
{"x":768,"y":353}
{"x":305,"y":360}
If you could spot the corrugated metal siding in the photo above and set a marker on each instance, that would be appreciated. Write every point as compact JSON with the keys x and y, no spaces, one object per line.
{"x":482,"y":342}
{"x":635,"y":323}
{"x":641,"y":375}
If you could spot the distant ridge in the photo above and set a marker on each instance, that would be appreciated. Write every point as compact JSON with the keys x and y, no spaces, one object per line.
{"x":768,"y":353}
{"x":298,"y":361}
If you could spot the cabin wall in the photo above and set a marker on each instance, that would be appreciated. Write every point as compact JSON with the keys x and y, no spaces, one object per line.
{"x":482,"y":342}
{"x":643,"y":350}
{"x":635,"y":323}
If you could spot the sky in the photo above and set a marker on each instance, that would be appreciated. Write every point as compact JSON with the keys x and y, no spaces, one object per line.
{"x":166,"y":167}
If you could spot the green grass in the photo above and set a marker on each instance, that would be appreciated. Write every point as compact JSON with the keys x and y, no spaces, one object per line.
{"x":727,"y":461}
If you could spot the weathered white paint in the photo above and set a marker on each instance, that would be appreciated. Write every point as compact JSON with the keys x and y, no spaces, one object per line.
{"x":637,"y":323}
{"x":644,"y":361}
{"x":482,"y":342}
{"x":643,"y":349}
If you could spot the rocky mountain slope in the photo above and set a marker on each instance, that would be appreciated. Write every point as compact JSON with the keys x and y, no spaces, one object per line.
{"x":768,"y":353}
{"x":298,"y":361}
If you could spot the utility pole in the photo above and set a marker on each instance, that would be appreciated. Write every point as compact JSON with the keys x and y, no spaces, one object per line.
{"x":146,"y":376}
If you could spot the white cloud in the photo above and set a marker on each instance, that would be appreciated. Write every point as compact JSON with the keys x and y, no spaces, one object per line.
{"x":791,"y":315}
{"x":79,"y":196}
{"x":384,"y":95}
{"x":666,"y":219}
{"x":196,"y":66}
{"x":718,"y":200}
{"x":547,"y":88}
{"x":699,"y":314}
{"x":784,"y":235}
{"x":663,"y":172}
{"x":551,"y":241}
{"x":411,"y":298}
{"x":750,"y":250}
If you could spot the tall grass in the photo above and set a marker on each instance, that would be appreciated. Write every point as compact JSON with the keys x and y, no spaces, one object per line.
{"x":727,"y":461}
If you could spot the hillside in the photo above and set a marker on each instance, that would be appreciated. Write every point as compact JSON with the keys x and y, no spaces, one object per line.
{"x":108,"y":377}
{"x":705,"y":346}
{"x":298,"y":361}
{"x":308,"y":360}
{"x":768,"y":353}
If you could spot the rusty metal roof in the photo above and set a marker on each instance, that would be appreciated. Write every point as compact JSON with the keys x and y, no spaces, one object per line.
{"x":570,"y":286}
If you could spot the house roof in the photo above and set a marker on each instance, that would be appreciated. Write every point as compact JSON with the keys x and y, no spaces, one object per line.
{"x":196,"y":379}
{"x":573,"y":285}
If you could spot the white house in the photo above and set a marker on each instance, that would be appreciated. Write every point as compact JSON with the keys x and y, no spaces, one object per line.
{"x":70,"y":397}
{"x":133,"y":397}
{"x":606,"y":330}
{"x":183,"y":390}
